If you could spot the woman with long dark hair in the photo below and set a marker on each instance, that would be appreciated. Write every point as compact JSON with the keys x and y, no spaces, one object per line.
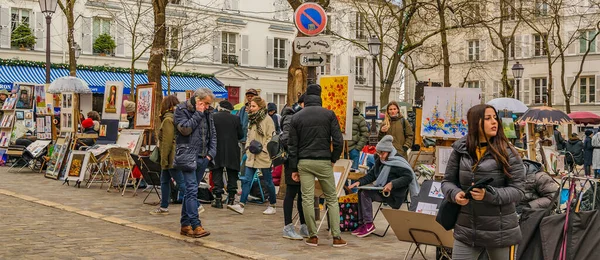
{"x":487,"y":220}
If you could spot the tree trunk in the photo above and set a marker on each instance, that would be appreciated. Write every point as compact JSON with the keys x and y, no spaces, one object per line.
{"x":550,"y":80}
{"x":506,"y":88}
{"x":70,"y":37}
{"x":157,"y":52}
{"x":445,"y":54}
{"x":296,"y":78}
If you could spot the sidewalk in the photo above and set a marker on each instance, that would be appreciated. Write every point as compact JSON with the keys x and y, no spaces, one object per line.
{"x":252,"y":231}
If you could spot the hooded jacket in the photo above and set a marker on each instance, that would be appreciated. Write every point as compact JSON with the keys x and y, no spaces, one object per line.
{"x":493,"y":221}
{"x":286,"y":118}
{"x":195,"y":132}
{"x":575,"y":147}
{"x":360,"y":132}
{"x":539,"y":187}
{"x":313,"y":130}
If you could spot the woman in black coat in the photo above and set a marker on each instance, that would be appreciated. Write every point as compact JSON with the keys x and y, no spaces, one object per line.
{"x":229,"y":132}
{"x":588,"y":153}
{"x":487,"y":220}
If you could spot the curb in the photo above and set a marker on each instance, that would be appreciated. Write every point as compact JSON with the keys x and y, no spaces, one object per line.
{"x":166,"y":233}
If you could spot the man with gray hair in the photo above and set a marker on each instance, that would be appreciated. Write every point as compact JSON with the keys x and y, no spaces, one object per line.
{"x":196,"y":146}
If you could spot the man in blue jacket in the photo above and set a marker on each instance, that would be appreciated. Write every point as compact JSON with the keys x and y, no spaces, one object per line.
{"x":196,"y":146}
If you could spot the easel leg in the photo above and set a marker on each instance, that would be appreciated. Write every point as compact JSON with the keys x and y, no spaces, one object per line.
{"x":66,"y":181}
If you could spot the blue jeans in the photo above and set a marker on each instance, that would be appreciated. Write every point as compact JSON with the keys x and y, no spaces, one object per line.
{"x":189,"y":209}
{"x":165,"y":185}
{"x":354,"y":156}
{"x":247,"y":181}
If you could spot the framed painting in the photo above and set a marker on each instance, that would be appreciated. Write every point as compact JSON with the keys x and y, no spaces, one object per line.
{"x":66,"y":101}
{"x":25,"y":97}
{"x":144,"y":114}
{"x":337,"y":93}
{"x":67,"y":122}
{"x":75,"y":168}
{"x":131,"y":139}
{"x":445,"y":111}
{"x":20,"y":115}
{"x":113,"y":98}
{"x":51,"y":171}
{"x":40,"y":99}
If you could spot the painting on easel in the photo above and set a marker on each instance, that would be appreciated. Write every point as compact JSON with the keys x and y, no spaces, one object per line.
{"x":144,"y":114}
{"x":445,"y":111}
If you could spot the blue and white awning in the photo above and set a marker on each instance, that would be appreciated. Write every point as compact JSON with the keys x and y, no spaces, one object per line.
{"x":97,"y":79}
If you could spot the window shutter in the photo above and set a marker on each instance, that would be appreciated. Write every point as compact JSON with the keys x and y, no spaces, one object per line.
{"x":518,"y":46}
{"x":572,"y":49}
{"x":86,"y":35}
{"x":487,"y":93}
{"x":597,"y":40}
{"x":352,"y":65}
{"x":217,"y":47}
{"x":338,"y":67}
{"x":575,"y":97}
{"x":559,"y":97}
{"x":40,"y":24}
{"x":496,"y":89}
{"x":270,"y":50}
{"x":120,"y":51}
{"x":353,"y":25}
{"x":463,"y":53}
{"x":482,"y":49}
{"x":597,"y":89}
{"x":245,"y":50}
{"x":235,"y":5}
{"x":368,"y":69}
{"x":526,"y":92}
{"x":526,"y":46}
{"x":4,"y":27}
{"x":289,"y":45}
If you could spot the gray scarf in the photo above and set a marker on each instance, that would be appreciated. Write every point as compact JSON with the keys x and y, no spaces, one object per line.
{"x":396,"y":161}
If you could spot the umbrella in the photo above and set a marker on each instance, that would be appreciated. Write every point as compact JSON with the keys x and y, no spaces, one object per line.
{"x":584,"y":117}
{"x":69,"y":84}
{"x":510,"y":104}
{"x":545,"y":116}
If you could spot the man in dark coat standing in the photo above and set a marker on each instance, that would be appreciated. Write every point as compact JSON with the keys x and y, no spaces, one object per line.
{"x":228,"y":152}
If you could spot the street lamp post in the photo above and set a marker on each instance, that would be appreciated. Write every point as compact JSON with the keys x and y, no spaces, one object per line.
{"x":48,"y":7}
{"x":374,"y":49}
{"x":517,"y":71}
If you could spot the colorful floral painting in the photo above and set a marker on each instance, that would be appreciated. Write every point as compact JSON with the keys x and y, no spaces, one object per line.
{"x":445,"y":111}
{"x":144,"y":115}
{"x":334,"y":92}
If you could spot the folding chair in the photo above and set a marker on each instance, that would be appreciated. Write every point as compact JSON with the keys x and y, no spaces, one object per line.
{"x":379,"y":209}
{"x":256,"y":178}
{"x":119,"y":158}
{"x":97,"y":166}
{"x":150,"y":173}
{"x":17,"y":152}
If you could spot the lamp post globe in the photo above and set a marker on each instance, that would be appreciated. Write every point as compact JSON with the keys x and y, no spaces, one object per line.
{"x":48,"y":7}
{"x":374,"y":49}
{"x":517,"y":70}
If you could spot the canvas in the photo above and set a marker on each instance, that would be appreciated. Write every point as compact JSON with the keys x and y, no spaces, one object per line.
{"x":445,"y":111}
{"x":144,"y":115}
{"x":25,"y":97}
{"x":76,"y":165}
{"x":509,"y":127}
{"x":131,"y":139}
{"x":66,"y":122}
{"x":56,"y":156}
{"x":67,"y":101}
{"x":337,"y":93}
{"x":20,"y":115}
{"x":40,"y":99}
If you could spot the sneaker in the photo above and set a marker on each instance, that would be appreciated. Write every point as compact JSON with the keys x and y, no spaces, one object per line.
{"x":269,"y":211}
{"x":304,"y":231}
{"x":217,"y":203}
{"x":187,"y":231}
{"x":238,"y":208}
{"x":367,"y":230}
{"x":339,"y":242}
{"x":358,"y":230}
{"x":201,"y":209}
{"x":200,"y":232}
{"x":160,"y":211}
{"x":312,"y":241}
{"x":289,"y":232}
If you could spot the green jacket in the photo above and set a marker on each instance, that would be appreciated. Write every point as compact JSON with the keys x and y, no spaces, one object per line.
{"x":166,"y":137}
{"x":360,"y":133}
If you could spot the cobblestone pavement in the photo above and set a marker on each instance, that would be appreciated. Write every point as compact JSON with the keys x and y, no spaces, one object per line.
{"x":245,"y":234}
{"x":34,"y":231}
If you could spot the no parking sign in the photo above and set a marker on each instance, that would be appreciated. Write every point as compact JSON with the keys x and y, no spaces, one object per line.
{"x":310,"y":19}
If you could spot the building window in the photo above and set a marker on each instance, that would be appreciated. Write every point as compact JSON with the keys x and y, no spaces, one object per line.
{"x":541,"y":7}
{"x":19,"y":16}
{"x":326,"y":69}
{"x":279,"y":53}
{"x":508,"y":10}
{"x":473,"y":12}
{"x":511,"y":46}
{"x":540,"y":89}
{"x":232,"y":5}
{"x":360,"y":26}
{"x":359,"y":68}
{"x":472,"y":84}
{"x":474,"y":50}
{"x":175,"y":2}
{"x":100,"y":26}
{"x":587,"y":90}
{"x":280,"y":100}
{"x":228,"y":48}
{"x":173,"y":37}
{"x":539,"y":46}
{"x":585,"y":38}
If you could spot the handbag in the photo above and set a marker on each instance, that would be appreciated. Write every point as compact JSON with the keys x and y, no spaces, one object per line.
{"x":155,"y":156}
{"x":448,"y":214}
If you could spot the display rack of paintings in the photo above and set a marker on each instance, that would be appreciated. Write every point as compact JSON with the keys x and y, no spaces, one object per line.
{"x":57,"y":158}
{"x":68,"y":122}
{"x":43,"y":127}
{"x":146,"y":99}
{"x":8,"y":119}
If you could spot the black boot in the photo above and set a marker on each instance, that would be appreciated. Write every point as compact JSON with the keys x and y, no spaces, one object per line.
{"x":231,"y":199}
{"x":217,"y":203}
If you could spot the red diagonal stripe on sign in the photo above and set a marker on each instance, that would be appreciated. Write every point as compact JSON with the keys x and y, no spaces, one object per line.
{"x":310,"y":18}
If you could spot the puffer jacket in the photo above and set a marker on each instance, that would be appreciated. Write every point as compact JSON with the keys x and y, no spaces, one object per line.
{"x":286,"y":118}
{"x":403,"y":135}
{"x":575,"y":147}
{"x":312,"y":132}
{"x":261,"y":160}
{"x":493,"y":221}
{"x":195,"y":132}
{"x":360,"y":132}
{"x":539,"y":187}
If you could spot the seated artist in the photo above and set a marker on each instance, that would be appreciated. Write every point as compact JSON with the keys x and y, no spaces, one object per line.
{"x":393,"y":173}
{"x":88,"y":128}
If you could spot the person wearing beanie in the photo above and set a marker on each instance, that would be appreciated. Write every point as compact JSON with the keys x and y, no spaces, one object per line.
{"x":88,"y":128}
{"x":574,"y":154}
{"x":314,"y":131}
{"x":130,"y":109}
{"x":393,"y":174}
{"x":588,"y":153}
{"x":228,"y":155}
{"x":360,"y":136}
{"x":94,"y":115}
{"x":272,"y":110}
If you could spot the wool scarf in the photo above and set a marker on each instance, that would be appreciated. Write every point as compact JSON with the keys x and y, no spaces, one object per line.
{"x":396,"y":161}
{"x":255,"y":119}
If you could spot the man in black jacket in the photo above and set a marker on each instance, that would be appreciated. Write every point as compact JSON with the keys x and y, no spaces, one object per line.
{"x":228,"y":155}
{"x":312,"y":132}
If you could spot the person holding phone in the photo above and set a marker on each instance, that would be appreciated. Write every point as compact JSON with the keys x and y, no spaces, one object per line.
{"x":487,"y":221}
{"x":196,"y":146}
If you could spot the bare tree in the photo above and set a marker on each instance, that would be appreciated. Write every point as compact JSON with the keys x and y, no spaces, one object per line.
{"x":67,"y":7}
{"x":159,"y":8}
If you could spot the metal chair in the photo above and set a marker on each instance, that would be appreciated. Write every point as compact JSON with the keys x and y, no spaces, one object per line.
{"x":119,"y":158}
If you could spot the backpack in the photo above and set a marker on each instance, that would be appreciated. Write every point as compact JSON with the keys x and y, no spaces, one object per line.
{"x":276,"y":151}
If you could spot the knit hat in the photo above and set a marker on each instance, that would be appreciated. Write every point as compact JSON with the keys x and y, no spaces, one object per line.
{"x":252,"y":91}
{"x":271,"y":107}
{"x":224,"y":104}
{"x":129,"y":106}
{"x":4,"y":92}
{"x":385,"y":145}
{"x":88,"y":123}
{"x":301,"y":98}
{"x":313,"y":89}
{"x":588,"y":132}
{"x":355,"y":111}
